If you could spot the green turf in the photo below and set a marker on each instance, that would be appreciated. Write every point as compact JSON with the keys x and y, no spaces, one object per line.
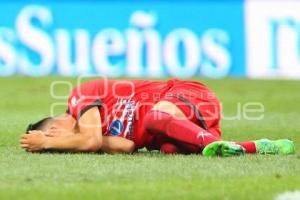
{"x":151,"y":175}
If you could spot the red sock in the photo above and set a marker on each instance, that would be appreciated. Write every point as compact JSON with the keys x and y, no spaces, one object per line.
{"x":179,"y":147}
{"x":188,"y":148}
{"x":249,"y":146}
{"x":157,"y":122}
{"x":169,"y":148}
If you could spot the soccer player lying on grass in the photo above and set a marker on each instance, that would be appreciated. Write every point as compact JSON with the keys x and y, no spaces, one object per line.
{"x":113,"y":116}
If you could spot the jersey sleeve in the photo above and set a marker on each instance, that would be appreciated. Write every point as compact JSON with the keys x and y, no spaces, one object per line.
{"x":79,"y":103}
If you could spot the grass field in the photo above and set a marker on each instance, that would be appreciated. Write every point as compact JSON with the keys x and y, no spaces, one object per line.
{"x":151,"y":175}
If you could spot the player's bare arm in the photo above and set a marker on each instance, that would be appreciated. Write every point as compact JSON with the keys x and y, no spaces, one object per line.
{"x":113,"y":145}
{"x":87,"y":139}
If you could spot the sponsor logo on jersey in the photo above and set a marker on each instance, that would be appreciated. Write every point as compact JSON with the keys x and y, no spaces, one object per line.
{"x":116,"y":127}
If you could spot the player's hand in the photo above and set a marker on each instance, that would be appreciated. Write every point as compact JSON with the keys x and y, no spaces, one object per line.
{"x":35,"y":141}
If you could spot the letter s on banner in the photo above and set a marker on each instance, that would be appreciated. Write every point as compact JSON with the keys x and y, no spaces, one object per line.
{"x":36,"y":40}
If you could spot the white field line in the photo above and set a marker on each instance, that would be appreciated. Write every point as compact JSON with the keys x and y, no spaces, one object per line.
{"x":295,"y":195}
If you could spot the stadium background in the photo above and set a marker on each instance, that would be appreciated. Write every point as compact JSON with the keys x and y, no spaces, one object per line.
{"x":246,"y":51}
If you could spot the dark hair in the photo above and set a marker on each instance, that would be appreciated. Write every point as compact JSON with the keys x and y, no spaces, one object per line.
{"x":38,"y":125}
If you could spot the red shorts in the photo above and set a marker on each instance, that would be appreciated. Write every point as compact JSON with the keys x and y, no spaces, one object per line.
{"x":198,"y":103}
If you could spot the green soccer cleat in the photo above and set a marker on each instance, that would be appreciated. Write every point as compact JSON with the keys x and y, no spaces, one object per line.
{"x":223,"y":149}
{"x":281,"y":147}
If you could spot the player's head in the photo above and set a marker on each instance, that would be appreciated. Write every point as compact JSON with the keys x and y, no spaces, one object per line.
{"x":41,"y":125}
{"x":64,"y":121}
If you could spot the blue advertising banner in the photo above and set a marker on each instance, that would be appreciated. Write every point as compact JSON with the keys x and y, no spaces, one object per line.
{"x":123,"y":38}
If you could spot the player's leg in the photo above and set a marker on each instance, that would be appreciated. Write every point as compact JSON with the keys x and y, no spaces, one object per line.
{"x":262,"y":146}
{"x":177,"y":147}
{"x":189,"y":136}
{"x":167,"y":119}
{"x":171,"y":148}
{"x":166,"y":145}
{"x":170,"y":121}
{"x":249,"y":146}
{"x":176,"y":117}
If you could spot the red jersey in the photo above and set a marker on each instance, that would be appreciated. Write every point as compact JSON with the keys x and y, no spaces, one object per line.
{"x":122,"y":105}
